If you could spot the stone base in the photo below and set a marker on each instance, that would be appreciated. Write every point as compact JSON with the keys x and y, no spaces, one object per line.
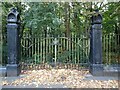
{"x":2,"y":71}
{"x":13,"y":70}
{"x":101,"y":78}
{"x":112,"y":70}
{"x":96,"y":69}
{"x":112,"y":73}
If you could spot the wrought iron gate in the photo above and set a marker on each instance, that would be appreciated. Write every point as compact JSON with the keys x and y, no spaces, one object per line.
{"x":61,"y":52}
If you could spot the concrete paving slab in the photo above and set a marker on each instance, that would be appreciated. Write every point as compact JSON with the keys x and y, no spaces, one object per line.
{"x":11,"y":79}
{"x":91,"y":77}
{"x":33,"y":86}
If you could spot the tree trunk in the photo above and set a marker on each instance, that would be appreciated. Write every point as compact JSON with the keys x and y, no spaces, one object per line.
{"x":67,"y":19}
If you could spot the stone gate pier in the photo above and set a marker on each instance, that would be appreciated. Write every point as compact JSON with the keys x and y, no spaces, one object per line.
{"x":13,"y":42}
{"x":97,"y":68}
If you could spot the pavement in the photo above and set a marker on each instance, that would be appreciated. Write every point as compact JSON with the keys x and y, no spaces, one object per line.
{"x":90,"y":77}
{"x":87,"y":77}
{"x":11,"y":79}
{"x":39,"y":86}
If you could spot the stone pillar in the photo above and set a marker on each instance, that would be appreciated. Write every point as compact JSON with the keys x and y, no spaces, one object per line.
{"x":96,"y":67}
{"x":13,"y":41}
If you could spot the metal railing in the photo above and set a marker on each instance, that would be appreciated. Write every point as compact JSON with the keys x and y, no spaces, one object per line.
{"x":67,"y":51}
{"x":111,"y":49}
{"x":70,"y":52}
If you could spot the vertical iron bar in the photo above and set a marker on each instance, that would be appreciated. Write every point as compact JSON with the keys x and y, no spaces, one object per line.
{"x":25,"y":49}
{"x":64,"y":49}
{"x":52,"y":48}
{"x":71,"y":49}
{"x":111,"y":47}
{"x":28,"y":46}
{"x":42,"y":50}
{"x":118,"y":48}
{"x":82,"y":49}
{"x":107,"y":50}
{"x":38,"y":50}
{"x":45,"y":48}
{"x":75,"y":48}
{"x":32,"y":49}
{"x":78,"y":51}
{"x":35,"y":51}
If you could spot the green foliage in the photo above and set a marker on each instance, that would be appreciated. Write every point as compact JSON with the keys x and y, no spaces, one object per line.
{"x":42,"y":17}
{"x":51,"y":19}
{"x":63,"y":57}
{"x":111,"y":18}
